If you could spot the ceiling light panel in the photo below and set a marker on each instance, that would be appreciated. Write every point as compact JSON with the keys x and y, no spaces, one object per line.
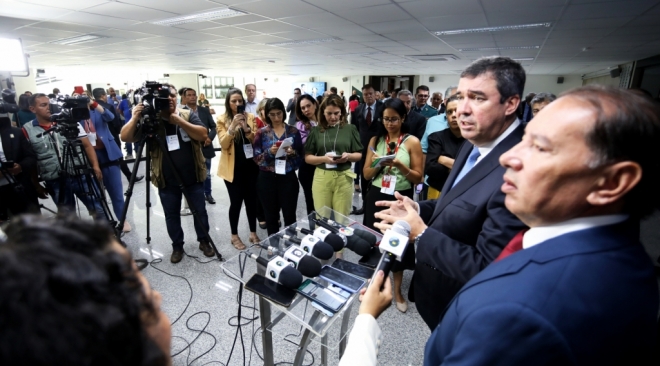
{"x":200,"y":17}
{"x":493,"y":29}
{"x":194,"y":52}
{"x":308,"y":41}
{"x":77,"y":40}
{"x":498,"y":48}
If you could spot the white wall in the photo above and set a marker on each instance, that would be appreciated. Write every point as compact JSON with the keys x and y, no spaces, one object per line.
{"x":23,"y":84}
{"x":603,"y":80}
{"x":534,"y":83}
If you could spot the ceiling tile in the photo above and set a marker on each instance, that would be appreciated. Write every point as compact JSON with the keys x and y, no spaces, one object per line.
{"x":280,"y":8}
{"x":424,"y":8}
{"x":229,"y":32}
{"x":175,"y":6}
{"x":270,"y":26}
{"x":374,"y":14}
{"x":607,"y":9}
{"x":96,"y":20}
{"x":126,"y":11}
{"x":399,"y":26}
{"x":452,"y":22}
{"x":339,"y":5}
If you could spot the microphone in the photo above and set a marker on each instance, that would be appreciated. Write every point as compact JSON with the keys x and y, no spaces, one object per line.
{"x":334,"y":240}
{"x":312,"y":245}
{"x":393,"y":246}
{"x":279,"y":270}
{"x":391,"y":147}
{"x":307,"y":265}
{"x":349,"y":231}
{"x":353,"y":242}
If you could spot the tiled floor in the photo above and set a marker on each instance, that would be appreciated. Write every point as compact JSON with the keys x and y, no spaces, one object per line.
{"x":191,"y":297}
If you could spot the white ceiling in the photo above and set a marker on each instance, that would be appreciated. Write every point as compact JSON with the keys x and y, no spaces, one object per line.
{"x":376,"y":36}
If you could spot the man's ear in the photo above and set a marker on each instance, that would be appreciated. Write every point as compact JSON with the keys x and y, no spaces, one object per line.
{"x":512,"y":104}
{"x":614,"y":183}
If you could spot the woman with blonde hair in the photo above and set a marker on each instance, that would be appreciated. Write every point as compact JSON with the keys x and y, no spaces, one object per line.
{"x":237,"y":167}
{"x":332,"y":146}
{"x":202,"y":101}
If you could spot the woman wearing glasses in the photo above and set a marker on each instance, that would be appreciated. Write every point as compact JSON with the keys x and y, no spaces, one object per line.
{"x":398,"y":175}
{"x":235,"y":131}
{"x":306,"y":107}
{"x":332,"y":146}
{"x":277,"y":183}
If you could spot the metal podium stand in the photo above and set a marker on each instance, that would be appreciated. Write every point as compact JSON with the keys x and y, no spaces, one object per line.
{"x":301,"y":313}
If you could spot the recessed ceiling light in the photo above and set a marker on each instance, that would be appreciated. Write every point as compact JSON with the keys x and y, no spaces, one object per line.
{"x":523,"y":59}
{"x":492,"y":29}
{"x":194,"y":52}
{"x":498,"y":48}
{"x":308,"y":41}
{"x":200,"y":17}
{"x":78,"y":39}
{"x":436,"y":57}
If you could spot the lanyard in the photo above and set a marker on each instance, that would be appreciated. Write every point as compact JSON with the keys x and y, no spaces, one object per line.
{"x":396,"y":149}
{"x":334,"y":146}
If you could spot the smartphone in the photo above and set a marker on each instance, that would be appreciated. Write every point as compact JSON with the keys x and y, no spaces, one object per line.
{"x":240,"y":109}
{"x":273,"y":291}
{"x":336,"y":157}
{"x":372,"y":258}
{"x":8,"y":164}
{"x":352,"y":268}
{"x":342,"y":279}
{"x":319,"y":294}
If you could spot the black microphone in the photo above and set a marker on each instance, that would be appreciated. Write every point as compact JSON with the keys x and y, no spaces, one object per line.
{"x":348,"y":231}
{"x":391,"y":148}
{"x":279,"y":270}
{"x":393,"y":246}
{"x":307,"y":265}
{"x":334,"y":240}
{"x":353,"y":242}
{"x":312,"y":245}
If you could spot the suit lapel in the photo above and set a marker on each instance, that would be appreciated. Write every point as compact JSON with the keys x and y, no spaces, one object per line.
{"x":478,"y":172}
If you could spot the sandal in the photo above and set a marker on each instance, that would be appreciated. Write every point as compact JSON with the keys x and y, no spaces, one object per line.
{"x":254,"y":239}
{"x":238,"y":243}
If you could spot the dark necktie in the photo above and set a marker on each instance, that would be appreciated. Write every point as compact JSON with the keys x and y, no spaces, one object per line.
{"x":514,"y":245}
{"x":368,"y":119}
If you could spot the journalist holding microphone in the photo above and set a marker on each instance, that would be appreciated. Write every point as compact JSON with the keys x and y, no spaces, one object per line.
{"x":236,"y":133}
{"x":277,"y":182}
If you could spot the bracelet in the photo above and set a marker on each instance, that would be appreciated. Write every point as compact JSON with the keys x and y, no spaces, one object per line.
{"x":419,"y":237}
{"x":231,"y":132}
{"x":409,"y":170}
{"x":94,"y":105}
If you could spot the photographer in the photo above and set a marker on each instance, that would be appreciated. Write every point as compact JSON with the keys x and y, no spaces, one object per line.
{"x":183,"y":133}
{"x":107,"y":150}
{"x":17,"y":158}
{"x":48,"y":149}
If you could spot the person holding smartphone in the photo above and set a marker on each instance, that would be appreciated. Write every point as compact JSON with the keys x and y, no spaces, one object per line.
{"x":237,"y":167}
{"x":332,"y":146}
{"x":277,"y":182}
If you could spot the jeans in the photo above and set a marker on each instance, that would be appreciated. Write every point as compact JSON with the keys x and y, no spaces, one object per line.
{"x":79,"y":188}
{"x":129,"y":147}
{"x":207,"y":182}
{"x":112,"y":182}
{"x":170,"y":198}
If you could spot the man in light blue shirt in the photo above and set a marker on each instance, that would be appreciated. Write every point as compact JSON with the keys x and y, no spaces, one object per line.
{"x":437,"y":123}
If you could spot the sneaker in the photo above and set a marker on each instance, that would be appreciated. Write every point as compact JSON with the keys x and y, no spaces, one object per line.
{"x":210,"y":199}
{"x":128,"y":157}
{"x":205,"y":247}
{"x":186,"y":212}
{"x":176,"y":256}
{"x":139,"y":178}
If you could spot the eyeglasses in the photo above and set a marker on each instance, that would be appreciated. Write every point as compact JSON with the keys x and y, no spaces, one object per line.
{"x":275,"y":114}
{"x":422,"y":96}
{"x":391,"y":120}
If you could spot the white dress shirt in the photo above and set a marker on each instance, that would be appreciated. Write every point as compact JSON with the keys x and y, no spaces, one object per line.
{"x":538,"y":235}
{"x":251,"y":107}
{"x":487,"y":148}
{"x":363,"y":343}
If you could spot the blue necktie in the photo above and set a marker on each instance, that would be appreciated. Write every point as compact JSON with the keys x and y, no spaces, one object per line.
{"x":471,"y":160}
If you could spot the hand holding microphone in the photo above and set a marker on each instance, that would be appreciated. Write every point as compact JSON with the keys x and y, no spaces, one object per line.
{"x":377,"y":297}
{"x":393,"y":246}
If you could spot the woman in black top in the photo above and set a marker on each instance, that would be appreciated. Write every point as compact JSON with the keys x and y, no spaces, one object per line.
{"x":306,"y":107}
{"x":442,"y":150}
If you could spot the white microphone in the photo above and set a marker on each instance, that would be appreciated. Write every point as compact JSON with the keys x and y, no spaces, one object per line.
{"x":393,"y":245}
{"x":280,"y":270}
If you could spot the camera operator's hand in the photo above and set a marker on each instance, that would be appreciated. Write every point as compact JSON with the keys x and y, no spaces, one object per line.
{"x":15,"y":170}
{"x":137,"y":111}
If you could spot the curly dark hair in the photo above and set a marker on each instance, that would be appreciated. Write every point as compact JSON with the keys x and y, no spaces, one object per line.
{"x":69,"y":299}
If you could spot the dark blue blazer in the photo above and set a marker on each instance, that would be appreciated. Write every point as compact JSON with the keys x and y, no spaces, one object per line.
{"x":467,"y":229}
{"x":588,"y":297}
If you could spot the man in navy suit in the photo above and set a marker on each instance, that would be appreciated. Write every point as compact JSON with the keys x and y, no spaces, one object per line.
{"x":469,"y":225}
{"x":578,"y":287}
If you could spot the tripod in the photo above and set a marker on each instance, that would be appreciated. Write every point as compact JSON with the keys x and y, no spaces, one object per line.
{"x":148,"y":137}
{"x":75,"y":164}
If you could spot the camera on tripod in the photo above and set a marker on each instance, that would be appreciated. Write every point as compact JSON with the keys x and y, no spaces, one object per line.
{"x":8,"y":102}
{"x":74,"y":109}
{"x":155,"y":98}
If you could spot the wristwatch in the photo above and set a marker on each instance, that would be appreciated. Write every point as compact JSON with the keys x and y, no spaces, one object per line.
{"x":419,"y":236}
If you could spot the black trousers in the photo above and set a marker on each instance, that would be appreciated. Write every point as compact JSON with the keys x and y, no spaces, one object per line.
{"x":280,"y":192}
{"x":18,"y":203}
{"x":306,"y":177}
{"x":243,"y":189}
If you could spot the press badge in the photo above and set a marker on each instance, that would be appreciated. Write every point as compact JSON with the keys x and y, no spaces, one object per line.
{"x":247,"y":149}
{"x":173,"y":143}
{"x":389,"y":184}
{"x":184,"y":135}
{"x":92,"y":138}
{"x":330,"y":166}
{"x":280,"y":166}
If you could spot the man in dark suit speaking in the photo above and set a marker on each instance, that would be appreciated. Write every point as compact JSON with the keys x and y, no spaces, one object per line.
{"x":577,"y":288}
{"x":468,"y":226}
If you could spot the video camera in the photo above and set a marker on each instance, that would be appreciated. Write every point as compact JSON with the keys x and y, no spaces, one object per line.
{"x":8,"y":102}
{"x":74,"y":110}
{"x":154,"y":97}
